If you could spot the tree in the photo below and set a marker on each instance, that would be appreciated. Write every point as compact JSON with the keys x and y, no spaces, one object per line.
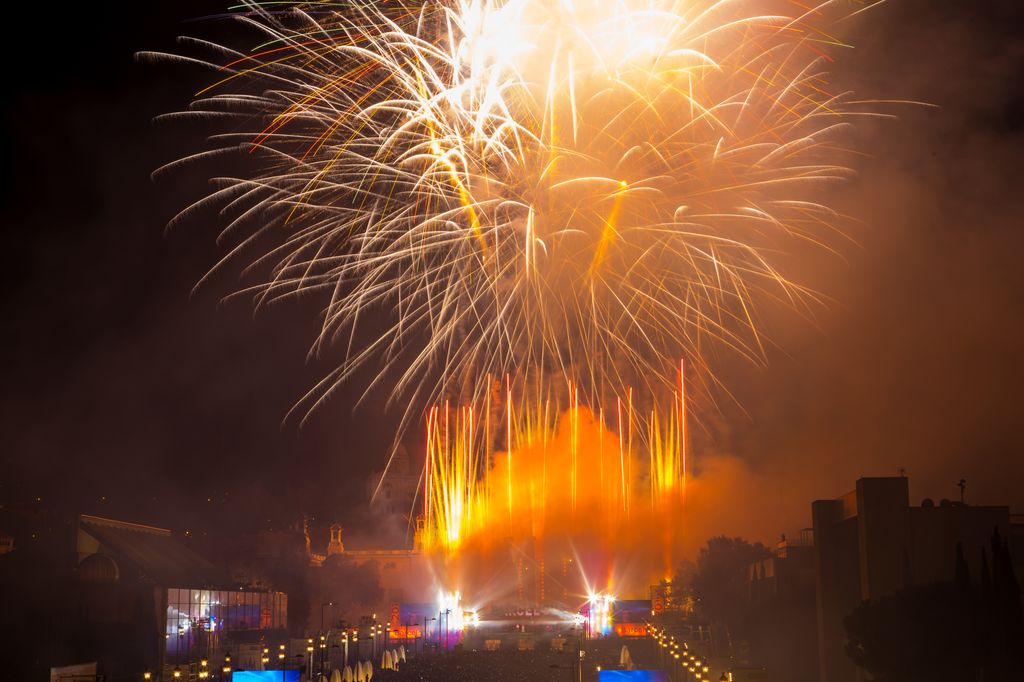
{"x":945,"y":631}
{"x":928,"y":633}
{"x":719,"y":581}
{"x":962,"y":574}
{"x":681,"y":587}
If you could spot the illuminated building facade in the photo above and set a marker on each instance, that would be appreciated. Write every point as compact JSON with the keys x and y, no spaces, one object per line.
{"x":211,"y":623}
{"x":136,"y":576}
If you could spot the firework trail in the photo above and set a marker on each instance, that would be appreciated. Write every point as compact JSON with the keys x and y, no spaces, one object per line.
{"x":590,"y":189}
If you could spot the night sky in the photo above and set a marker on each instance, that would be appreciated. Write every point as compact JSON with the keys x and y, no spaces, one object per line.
{"x":124,"y":395}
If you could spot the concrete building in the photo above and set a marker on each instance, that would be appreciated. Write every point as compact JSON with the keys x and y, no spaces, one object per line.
{"x":872,"y":542}
{"x":404,"y":574}
{"x":789,"y":570}
{"x":781,"y":610}
{"x":393,"y":493}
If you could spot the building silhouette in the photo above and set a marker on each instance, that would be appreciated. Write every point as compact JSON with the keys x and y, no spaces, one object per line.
{"x":124,"y":597}
{"x":872,"y":542}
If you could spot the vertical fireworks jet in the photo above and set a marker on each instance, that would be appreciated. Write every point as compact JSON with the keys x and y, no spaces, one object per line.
{"x":541,"y":477}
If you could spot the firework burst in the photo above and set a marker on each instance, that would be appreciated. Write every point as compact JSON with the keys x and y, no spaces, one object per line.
{"x":588,"y":188}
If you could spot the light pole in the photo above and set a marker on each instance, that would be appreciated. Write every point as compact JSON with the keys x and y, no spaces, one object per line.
{"x":331,"y":604}
{"x":225,"y":670}
{"x":423,"y":640}
{"x":323,"y":652}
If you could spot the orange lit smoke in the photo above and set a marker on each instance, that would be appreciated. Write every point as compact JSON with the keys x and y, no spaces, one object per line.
{"x":594,"y":499}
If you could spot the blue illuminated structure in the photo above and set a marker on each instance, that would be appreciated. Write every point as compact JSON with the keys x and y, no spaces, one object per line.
{"x":632,"y":676}
{"x":265,"y":676}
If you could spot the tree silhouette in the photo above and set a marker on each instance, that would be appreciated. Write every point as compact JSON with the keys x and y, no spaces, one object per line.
{"x":719,"y":583}
{"x":927,"y":633}
{"x":951,"y":631}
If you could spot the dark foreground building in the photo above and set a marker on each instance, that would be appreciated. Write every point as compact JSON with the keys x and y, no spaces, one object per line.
{"x":872,"y":543}
{"x":781,"y":624}
{"x":125,"y":596}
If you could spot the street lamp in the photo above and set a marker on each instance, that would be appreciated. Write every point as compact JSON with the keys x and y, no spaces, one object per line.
{"x":423,"y":641}
{"x":146,"y":675}
{"x":323,"y":652}
{"x":225,"y":670}
{"x":447,"y":616}
{"x":176,"y":674}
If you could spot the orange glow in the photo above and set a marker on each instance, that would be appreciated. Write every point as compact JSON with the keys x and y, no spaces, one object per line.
{"x":405,"y":632}
{"x":630,"y":629}
{"x":557,"y":489}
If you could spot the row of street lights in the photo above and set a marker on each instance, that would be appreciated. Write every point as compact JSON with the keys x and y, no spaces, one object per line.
{"x":204,"y":670}
{"x":376,"y":631}
{"x":685,"y":665}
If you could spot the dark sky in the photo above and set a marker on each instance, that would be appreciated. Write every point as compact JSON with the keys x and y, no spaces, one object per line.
{"x":120,"y":385}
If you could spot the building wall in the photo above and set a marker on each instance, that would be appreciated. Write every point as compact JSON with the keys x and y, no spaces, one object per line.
{"x":394,"y":492}
{"x":405,"y":575}
{"x":874,"y":543}
{"x":837,"y":585}
{"x":936,"y":531}
{"x":883,"y":534}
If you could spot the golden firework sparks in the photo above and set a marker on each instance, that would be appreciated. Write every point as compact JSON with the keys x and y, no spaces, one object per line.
{"x":591,"y":187}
